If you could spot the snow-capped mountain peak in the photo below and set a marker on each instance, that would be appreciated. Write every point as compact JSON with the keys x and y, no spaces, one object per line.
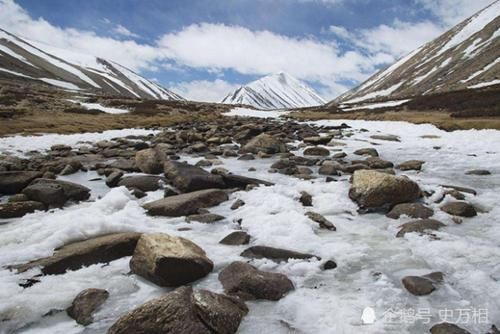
{"x":276,"y":91}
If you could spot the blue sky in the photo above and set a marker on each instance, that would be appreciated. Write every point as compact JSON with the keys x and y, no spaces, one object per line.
{"x":204,"y":48}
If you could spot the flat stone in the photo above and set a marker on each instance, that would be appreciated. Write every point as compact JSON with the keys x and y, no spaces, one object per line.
{"x":411,"y":165}
{"x":367,"y":151}
{"x":275,"y":254}
{"x":206,"y":218}
{"x":143,"y":182}
{"x":236,"y":238}
{"x":186,"y":204}
{"x":419,"y":226}
{"x":480,"y":172}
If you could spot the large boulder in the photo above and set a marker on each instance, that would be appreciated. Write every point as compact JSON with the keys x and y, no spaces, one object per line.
{"x":275,"y":254}
{"x":73,"y":256}
{"x":246,"y":281}
{"x":186,"y":204}
{"x":317,"y":151}
{"x":373,"y":189}
{"x":447,"y":328}
{"x":188,"y":178}
{"x":15,"y":181}
{"x":54,"y":193}
{"x":265,"y":143}
{"x":181,"y":311}
{"x":85,"y":304}
{"x":143,"y":182}
{"x":169,"y":260}
{"x":19,"y":209}
{"x":149,"y":161}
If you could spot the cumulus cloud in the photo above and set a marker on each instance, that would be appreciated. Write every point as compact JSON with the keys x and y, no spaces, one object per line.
{"x":204,"y":90}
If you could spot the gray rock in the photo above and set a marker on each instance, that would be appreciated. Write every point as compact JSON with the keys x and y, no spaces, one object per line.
{"x":461,"y":209}
{"x":305,"y":198}
{"x":71,"y":191}
{"x":19,"y":209}
{"x":169,"y":260}
{"x":447,"y":328}
{"x":186,"y":204}
{"x":184,"y":310}
{"x":413,"y":210}
{"x":419,"y":226}
{"x":14,"y":181}
{"x":238,"y":181}
{"x":480,"y":172}
{"x":245,"y":281}
{"x":275,"y":254}
{"x":237,"y":204}
{"x":422,"y":285}
{"x":149,"y":161}
{"x":85,"y":304}
{"x":73,"y":256}
{"x":385,"y":137}
{"x":411,"y":165}
{"x":143,"y":182}
{"x":113,"y":178}
{"x":188,"y":178}
{"x":236,"y":238}
{"x":317,"y":151}
{"x":322,"y":221}
{"x":265,"y":143}
{"x":372,"y":189}
{"x":206,"y":218}
{"x":367,"y":151}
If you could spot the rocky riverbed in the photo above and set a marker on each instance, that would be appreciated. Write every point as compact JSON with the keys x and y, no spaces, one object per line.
{"x":252,"y":225}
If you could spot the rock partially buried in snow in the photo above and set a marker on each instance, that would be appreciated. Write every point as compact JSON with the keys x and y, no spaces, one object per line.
{"x":186,"y":204}
{"x":206,"y":218}
{"x":419,"y":226}
{"x":321,"y":220}
{"x":422,"y":285}
{"x":75,"y":255}
{"x":373,"y":189}
{"x":461,"y":209}
{"x":367,"y":151}
{"x":15,"y":181}
{"x":188,"y":178}
{"x":479,"y":172}
{"x":275,"y":254}
{"x":143,"y":182}
{"x":413,"y":210}
{"x":447,"y":328}
{"x":85,"y":304}
{"x":245,"y":281}
{"x":19,"y":209}
{"x":169,"y":260}
{"x":184,"y":310}
{"x":385,"y":137}
{"x":241,"y":182}
{"x":236,"y":238}
{"x":265,"y":143}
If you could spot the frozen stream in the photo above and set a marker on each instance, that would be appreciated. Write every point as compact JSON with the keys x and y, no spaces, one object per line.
{"x":371,"y":260}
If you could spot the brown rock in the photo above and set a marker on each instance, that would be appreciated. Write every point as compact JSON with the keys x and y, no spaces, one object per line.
{"x":236,"y":238}
{"x":85,"y":304}
{"x":413,"y":210}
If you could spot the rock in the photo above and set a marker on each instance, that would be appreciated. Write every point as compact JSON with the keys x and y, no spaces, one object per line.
{"x":246,"y":157}
{"x":189,"y":178}
{"x":377,"y":163}
{"x":184,"y":310}
{"x":420,"y":226}
{"x":461,"y":209}
{"x":60,"y":147}
{"x":186,"y":204}
{"x":334,"y":143}
{"x":236,"y":238}
{"x":48,"y":191}
{"x":422,"y":285}
{"x":317,"y":140}
{"x":206,"y":218}
{"x":264,"y":143}
{"x":329,"y":169}
{"x":237,"y":204}
{"x":275,"y":254}
{"x":15,"y":181}
{"x":247,"y":282}
{"x":447,"y":328}
{"x":18,"y":198}
{"x":149,"y":161}
{"x":199,"y":147}
{"x":413,"y":210}
{"x":329,"y":265}
{"x":367,"y":151}
{"x":461,"y":189}
{"x":73,"y":256}
{"x":372,"y":189}
{"x":411,"y":165}
{"x":113,"y":178}
{"x":169,"y":260}
{"x":305,"y":198}
{"x":138,"y":193}
{"x":480,"y":172}
{"x":19,"y":209}
{"x":322,"y":221}
{"x":385,"y":137}
{"x":241,"y":182}
{"x":317,"y":151}
{"x":68,"y":170}
{"x":143,"y":182}
{"x":85,"y":304}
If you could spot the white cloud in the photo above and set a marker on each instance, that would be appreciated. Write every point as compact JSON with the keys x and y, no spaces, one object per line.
{"x":451,"y":12}
{"x":121,"y":30}
{"x":340,"y":32}
{"x":203,"y":90}
{"x":136,"y":56}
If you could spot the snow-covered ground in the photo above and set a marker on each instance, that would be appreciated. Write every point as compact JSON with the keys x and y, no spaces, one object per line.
{"x":21,"y":145}
{"x":371,"y":260}
{"x":246,"y":112}
{"x":378,"y":105}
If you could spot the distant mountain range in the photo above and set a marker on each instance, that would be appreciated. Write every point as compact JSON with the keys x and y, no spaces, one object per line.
{"x":465,"y":57}
{"x":277,"y":91}
{"x":26,"y":61}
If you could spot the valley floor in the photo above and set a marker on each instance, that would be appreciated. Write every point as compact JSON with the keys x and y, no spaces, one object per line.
{"x":371,"y":260}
